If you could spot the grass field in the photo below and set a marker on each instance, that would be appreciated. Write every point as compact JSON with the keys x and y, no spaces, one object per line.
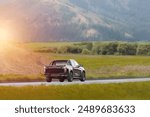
{"x":20,"y":78}
{"x":97,"y":66}
{"x":110,"y":66}
{"x":125,"y":91}
{"x":44,"y":45}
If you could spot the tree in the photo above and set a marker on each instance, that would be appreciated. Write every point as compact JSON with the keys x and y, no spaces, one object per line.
{"x":127,"y":49}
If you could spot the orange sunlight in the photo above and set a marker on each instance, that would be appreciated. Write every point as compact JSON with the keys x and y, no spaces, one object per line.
{"x":15,"y":57}
{"x":6,"y":34}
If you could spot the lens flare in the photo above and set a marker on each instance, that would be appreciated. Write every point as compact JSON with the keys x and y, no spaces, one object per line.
{"x":5,"y":34}
{"x":8,"y":31}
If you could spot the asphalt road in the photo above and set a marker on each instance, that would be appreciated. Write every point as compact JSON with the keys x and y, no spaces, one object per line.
{"x":103,"y":81}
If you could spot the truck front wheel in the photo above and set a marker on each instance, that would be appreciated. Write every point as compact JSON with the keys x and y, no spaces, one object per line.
{"x":83,"y":77}
{"x":70,"y":77}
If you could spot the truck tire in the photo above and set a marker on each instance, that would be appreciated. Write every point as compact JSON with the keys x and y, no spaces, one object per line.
{"x":48,"y":79}
{"x":61,"y":79}
{"x":83,"y":77}
{"x":70,"y":77}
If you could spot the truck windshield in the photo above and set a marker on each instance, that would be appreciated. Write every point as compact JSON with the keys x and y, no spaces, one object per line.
{"x":59,"y":63}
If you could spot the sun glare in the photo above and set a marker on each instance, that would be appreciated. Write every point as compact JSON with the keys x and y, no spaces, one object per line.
{"x":5,"y":34}
{"x":7,"y":31}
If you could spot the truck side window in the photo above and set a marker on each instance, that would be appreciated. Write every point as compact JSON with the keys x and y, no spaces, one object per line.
{"x":72,"y":63}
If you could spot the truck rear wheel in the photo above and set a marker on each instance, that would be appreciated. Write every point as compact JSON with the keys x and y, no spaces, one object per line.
{"x":61,"y":80}
{"x":48,"y":79}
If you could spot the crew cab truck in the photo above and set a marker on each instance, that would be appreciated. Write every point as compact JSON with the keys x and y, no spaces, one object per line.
{"x":64,"y":69}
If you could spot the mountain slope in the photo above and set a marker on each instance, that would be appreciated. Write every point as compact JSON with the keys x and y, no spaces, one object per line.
{"x":134,"y":14}
{"x":76,"y":20}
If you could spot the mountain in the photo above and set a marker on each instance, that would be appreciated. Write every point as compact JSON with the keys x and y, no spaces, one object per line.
{"x":133,"y":14}
{"x":77,"y":20}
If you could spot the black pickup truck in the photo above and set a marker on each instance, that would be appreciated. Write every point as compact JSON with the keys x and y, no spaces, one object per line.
{"x":64,"y":69}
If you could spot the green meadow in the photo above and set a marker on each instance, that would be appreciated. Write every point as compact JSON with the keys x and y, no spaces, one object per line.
{"x":122,"y":91}
{"x":97,"y":66}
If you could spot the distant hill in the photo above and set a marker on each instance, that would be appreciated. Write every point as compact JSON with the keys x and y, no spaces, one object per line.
{"x":77,"y":20}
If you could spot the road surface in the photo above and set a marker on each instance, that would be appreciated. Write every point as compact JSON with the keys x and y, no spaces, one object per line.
{"x":103,"y":81}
